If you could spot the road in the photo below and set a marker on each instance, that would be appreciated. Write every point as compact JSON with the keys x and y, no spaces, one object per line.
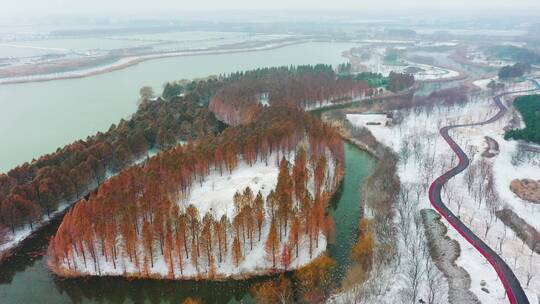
{"x":513,"y":288}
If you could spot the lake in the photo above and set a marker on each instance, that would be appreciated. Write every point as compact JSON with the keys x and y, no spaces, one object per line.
{"x":37,"y":118}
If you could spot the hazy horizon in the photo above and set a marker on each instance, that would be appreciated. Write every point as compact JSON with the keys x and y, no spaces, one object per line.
{"x":124,"y":8}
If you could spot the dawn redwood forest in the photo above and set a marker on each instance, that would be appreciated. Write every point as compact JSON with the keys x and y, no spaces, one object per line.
{"x":138,"y":223}
{"x":270,"y":152}
{"x":34,"y":189}
{"x":304,"y":86}
{"x":136,"y":217}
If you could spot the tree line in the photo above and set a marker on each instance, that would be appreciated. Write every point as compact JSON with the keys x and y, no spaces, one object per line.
{"x":514,"y":53}
{"x":512,"y":71}
{"x":529,"y":108}
{"x":394,"y":82}
{"x":34,"y":189}
{"x":135,"y":215}
{"x":303,"y":86}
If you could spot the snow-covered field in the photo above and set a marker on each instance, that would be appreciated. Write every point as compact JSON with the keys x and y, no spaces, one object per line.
{"x":376,"y":64}
{"x":424,"y":155}
{"x":255,"y":262}
{"x":508,"y":85}
{"x":330,"y":103}
{"x":215,"y":195}
{"x":483,"y":83}
{"x":481,"y":58}
{"x":367,"y":119}
{"x":131,"y":60}
{"x":20,"y":234}
{"x":216,"y":192}
{"x":436,"y":43}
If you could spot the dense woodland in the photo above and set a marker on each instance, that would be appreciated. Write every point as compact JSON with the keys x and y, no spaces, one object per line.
{"x":399,"y":81}
{"x":514,"y":53}
{"x":34,"y":189}
{"x":303,"y":87}
{"x":529,"y":108}
{"x":312,"y":283}
{"x":135,"y":216}
{"x":513,"y":71}
{"x":374,"y":80}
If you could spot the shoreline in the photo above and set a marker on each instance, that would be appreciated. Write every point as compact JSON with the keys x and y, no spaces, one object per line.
{"x":355,"y":61}
{"x":39,"y":231}
{"x":41,"y":226}
{"x":462,"y":75}
{"x":202,"y":276}
{"x":134,"y":60}
{"x":257,"y":273}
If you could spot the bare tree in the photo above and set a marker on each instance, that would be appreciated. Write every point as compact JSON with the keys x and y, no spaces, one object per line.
{"x":146,"y":92}
{"x":488,"y":226}
{"x":434,"y":281}
{"x":459,"y":202}
{"x":530,"y":274}
{"x":415,"y":266}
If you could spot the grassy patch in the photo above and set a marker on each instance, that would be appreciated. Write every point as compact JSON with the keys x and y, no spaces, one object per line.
{"x":529,"y":107}
{"x":374,"y":80}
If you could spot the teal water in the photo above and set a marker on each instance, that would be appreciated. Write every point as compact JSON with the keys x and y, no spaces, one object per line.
{"x":346,"y":211}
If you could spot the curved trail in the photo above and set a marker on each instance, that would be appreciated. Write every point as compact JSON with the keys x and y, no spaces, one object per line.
{"x":515,"y":293}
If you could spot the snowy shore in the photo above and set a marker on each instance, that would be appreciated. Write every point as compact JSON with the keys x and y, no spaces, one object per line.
{"x":215,"y":195}
{"x":15,"y":239}
{"x":126,"y":62}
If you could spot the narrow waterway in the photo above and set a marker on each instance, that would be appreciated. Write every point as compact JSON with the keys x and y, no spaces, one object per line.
{"x":26,"y":279}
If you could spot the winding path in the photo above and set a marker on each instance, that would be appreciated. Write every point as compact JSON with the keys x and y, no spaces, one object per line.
{"x":515,"y":293}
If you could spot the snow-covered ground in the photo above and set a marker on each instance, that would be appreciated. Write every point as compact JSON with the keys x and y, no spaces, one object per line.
{"x":215,"y":195}
{"x":437,"y":43}
{"x":424,"y":155}
{"x":376,"y":64}
{"x":481,"y":58}
{"x":255,"y":262}
{"x":387,"y":41}
{"x":483,"y":83}
{"x":131,"y":60}
{"x":22,"y":233}
{"x":368,"y":119}
{"x":216,"y":192}
{"x":14,"y":239}
{"x":508,"y":85}
{"x":330,"y":103}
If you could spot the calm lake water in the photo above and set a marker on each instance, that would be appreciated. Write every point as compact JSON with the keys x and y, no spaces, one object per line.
{"x":37,"y":118}
{"x":61,"y":46}
{"x":25,"y":279}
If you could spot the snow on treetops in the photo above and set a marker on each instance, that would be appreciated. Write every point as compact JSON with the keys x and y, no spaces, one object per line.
{"x":305,"y":87}
{"x":175,"y":216}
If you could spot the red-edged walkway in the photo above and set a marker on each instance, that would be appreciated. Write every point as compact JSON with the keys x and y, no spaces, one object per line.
{"x":511,"y":284}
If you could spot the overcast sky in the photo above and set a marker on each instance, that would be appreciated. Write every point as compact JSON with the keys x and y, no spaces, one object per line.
{"x":28,"y":8}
